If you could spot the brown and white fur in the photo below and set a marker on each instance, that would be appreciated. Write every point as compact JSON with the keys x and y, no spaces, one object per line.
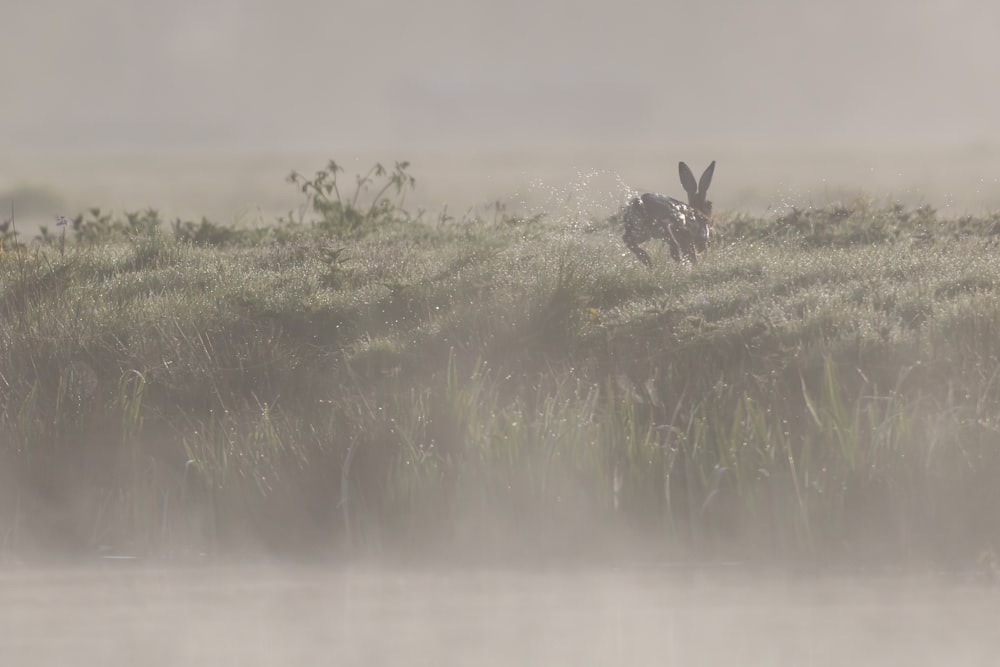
{"x":685,"y":227}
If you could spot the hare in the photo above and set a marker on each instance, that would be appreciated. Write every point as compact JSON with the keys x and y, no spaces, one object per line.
{"x":685,"y":227}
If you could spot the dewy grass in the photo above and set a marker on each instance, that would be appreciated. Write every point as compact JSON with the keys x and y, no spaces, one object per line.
{"x":823,"y":386}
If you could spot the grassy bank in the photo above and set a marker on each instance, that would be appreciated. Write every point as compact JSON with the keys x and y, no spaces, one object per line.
{"x":823,"y":387}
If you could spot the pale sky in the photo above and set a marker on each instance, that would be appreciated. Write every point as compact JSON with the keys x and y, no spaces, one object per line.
{"x":384,"y":74}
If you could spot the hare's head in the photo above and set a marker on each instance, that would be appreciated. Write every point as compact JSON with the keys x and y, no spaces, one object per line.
{"x":701,"y":227}
{"x":696,"y":191}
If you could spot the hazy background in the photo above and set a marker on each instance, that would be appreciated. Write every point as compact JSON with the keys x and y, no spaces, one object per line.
{"x":204,"y":107}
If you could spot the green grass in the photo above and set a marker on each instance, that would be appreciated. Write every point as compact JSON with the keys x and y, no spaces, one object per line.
{"x":823,"y":387}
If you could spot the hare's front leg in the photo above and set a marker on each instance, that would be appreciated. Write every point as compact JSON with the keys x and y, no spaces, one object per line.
{"x":633,"y":245}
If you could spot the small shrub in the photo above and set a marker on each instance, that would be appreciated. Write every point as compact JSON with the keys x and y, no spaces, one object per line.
{"x":377,"y":199}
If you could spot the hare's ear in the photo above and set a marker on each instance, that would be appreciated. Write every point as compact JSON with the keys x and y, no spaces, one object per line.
{"x":687,"y":179}
{"x":706,"y":178}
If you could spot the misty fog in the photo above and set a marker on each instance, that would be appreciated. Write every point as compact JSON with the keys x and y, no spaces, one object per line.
{"x":252,"y":616}
{"x":204,"y":107}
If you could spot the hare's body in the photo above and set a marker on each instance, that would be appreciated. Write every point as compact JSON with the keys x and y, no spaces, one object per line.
{"x":685,"y":227}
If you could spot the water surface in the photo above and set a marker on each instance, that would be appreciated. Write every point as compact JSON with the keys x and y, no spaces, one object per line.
{"x":123,"y":615}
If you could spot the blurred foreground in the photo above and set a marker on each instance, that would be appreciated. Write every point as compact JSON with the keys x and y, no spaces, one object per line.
{"x":271,"y":616}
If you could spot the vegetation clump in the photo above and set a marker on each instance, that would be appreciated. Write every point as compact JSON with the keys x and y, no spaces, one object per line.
{"x":824,"y":387}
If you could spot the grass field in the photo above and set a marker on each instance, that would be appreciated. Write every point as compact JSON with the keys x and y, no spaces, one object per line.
{"x":824,"y":387}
